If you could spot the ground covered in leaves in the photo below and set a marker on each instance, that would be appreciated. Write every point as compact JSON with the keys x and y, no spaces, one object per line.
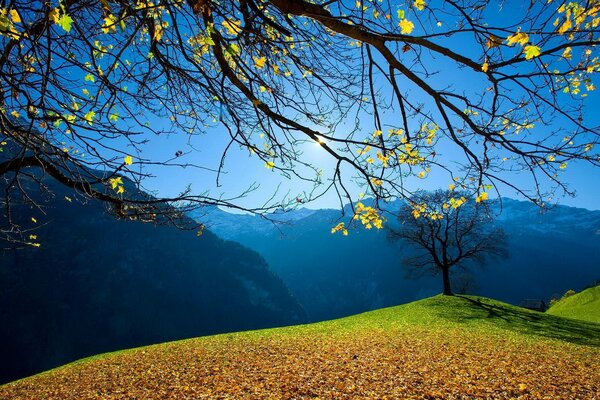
{"x":451,"y":348}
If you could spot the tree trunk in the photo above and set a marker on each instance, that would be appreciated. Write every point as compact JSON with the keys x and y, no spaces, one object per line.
{"x":446,"y":276}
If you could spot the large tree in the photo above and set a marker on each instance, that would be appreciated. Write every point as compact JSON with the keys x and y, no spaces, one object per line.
{"x":393,"y":92}
{"x":448,"y":232}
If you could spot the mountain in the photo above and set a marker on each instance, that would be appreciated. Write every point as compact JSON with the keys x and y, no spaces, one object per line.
{"x":98,"y":284}
{"x":335,"y":275}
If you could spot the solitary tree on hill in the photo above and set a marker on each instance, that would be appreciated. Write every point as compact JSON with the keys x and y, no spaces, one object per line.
{"x":448,"y":232}
{"x":392,"y":92}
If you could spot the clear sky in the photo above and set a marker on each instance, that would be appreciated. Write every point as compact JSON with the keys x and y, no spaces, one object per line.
{"x":243,"y":170}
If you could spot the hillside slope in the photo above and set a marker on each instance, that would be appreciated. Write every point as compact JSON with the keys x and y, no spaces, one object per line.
{"x":584,"y":306}
{"x":98,"y":284}
{"x":441,"y":347}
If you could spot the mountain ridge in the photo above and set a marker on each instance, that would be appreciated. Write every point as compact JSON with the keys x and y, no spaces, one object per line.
{"x":333,"y":276}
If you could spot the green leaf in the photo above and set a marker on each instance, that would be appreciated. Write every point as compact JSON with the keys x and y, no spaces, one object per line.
{"x":89,"y":117}
{"x":531,"y":51}
{"x":65,"y":22}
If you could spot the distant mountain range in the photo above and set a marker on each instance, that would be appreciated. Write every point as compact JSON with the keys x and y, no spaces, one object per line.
{"x":335,"y":275}
{"x":98,"y":284}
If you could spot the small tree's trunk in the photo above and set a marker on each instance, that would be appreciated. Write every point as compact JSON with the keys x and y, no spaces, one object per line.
{"x":446,"y":276}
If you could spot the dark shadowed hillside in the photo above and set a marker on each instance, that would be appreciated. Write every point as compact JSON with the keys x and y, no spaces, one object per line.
{"x":335,"y":275}
{"x":97,"y":284}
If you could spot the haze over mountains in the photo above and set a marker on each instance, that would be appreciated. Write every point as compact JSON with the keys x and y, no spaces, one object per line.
{"x":335,"y":275}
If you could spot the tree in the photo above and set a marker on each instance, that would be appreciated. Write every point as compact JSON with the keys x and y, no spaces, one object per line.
{"x":391,"y":92}
{"x":448,"y":232}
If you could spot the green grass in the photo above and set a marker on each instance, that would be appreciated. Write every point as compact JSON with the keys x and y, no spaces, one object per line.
{"x":472,"y":313}
{"x":584,"y":306}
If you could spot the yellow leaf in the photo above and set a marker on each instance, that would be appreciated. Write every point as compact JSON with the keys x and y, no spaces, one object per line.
{"x":67,"y":198}
{"x":32,"y":237}
{"x":15,"y":114}
{"x":406,"y":27}
{"x":34,"y":220}
{"x":259,"y":62}
{"x":340,"y":227}
{"x":518,"y":38}
{"x":522,"y":387}
{"x":565,"y":26}
{"x":419,"y":4}
{"x":109,"y":24}
{"x":588,"y":147}
{"x":269,"y":164}
{"x":89,"y":117}
{"x":531,"y":52}
{"x":14,"y":15}
{"x":482,"y":197}
{"x":53,"y":15}
{"x":493,"y":41}
{"x":114,"y":182}
{"x":232,"y":27}
{"x":158,"y":32}
{"x":128,"y":160}
{"x":120,"y":190}
{"x":485,"y":66}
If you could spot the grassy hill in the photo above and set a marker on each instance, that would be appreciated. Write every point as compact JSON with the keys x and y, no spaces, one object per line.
{"x":442,"y":347}
{"x":584,"y":306}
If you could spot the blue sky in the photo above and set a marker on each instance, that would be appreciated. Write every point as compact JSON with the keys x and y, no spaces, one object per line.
{"x":243,"y":170}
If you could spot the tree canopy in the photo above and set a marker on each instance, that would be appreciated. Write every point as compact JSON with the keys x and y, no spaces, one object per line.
{"x":448,"y":232}
{"x":473,"y":92}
